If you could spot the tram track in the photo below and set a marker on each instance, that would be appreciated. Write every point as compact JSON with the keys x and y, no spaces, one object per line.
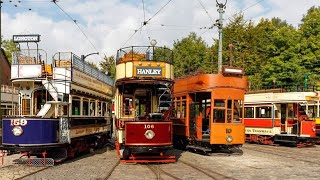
{"x":285,"y":154}
{"x":112,"y":170}
{"x":207,"y":172}
{"x":157,"y":171}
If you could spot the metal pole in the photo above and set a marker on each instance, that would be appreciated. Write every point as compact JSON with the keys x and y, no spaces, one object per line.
{"x":0,"y":65}
{"x":221,"y":11}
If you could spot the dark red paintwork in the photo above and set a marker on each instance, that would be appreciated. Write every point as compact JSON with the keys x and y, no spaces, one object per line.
{"x":135,"y":133}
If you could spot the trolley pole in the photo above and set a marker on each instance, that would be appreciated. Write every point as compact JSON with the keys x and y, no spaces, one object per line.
{"x":221,"y":8}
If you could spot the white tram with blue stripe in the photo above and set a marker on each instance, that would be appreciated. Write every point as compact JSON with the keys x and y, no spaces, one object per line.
{"x":64,"y":107}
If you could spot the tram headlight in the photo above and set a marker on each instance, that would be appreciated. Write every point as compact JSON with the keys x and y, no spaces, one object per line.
{"x":17,"y":131}
{"x":229,"y":139}
{"x":149,"y":134}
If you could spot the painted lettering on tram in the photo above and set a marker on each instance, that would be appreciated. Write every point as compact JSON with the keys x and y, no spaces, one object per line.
{"x":148,"y":126}
{"x":255,"y":131}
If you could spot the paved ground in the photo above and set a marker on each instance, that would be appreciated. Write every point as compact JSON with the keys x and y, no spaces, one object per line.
{"x":257,"y":162}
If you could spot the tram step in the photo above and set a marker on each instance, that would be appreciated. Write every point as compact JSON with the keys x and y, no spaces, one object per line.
{"x":198,"y":148}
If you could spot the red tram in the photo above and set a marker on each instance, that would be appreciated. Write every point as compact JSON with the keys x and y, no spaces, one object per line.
{"x":144,"y":81}
{"x":208,"y":109}
{"x":279,"y":118}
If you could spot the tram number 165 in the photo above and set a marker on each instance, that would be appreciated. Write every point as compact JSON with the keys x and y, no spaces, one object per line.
{"x":18,"y":122}
{"x":148,"y":126}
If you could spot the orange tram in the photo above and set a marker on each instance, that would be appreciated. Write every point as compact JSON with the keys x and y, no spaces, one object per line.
{"x":144,"y":82}
{"x":207,"y":112}
{"x":283,"y":118}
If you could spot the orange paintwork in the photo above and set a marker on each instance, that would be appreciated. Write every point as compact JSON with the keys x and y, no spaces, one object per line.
{"x":221,"y":86}
{"x":218,"y":133}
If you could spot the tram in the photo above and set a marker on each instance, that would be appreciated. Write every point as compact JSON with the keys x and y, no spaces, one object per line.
{"x":208,"y":111}
{"x":63,"y":109}
{"x":279,"y":118}
{"x":144,"y":82}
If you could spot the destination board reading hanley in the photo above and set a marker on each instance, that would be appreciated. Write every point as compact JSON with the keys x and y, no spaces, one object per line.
{"x":149,"y":71}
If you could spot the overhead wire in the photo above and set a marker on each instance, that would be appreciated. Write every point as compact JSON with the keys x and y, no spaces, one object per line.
{"x":75,"y":22}
{"x":146,"y":22}
{"x":204,"y":8}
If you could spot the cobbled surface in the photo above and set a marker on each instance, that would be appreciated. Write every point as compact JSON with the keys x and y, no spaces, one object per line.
{"x":257,"y":162}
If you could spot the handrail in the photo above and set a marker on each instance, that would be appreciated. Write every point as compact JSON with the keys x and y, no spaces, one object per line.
{"x":9,"y":89}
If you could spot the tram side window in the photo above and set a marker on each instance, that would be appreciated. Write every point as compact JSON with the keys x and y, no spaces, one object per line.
{"x":99,"y":108}
{"x":85,"y":109}
{"x":248,"y":112}
{"x":263,"y":112}
{"x":92,"y":108}
{"x":178,"y":110}
{"x":184,"y":113}
{"x":75,"y":106}
{"x":290,"y":111}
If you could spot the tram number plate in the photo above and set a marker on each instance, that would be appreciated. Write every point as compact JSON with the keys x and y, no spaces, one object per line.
{"x":228,"y":130}
{"x":148,"y":126}
{"x":18,"y":122}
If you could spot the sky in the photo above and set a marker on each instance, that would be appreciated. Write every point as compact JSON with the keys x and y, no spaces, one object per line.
{"x":108,"y":25}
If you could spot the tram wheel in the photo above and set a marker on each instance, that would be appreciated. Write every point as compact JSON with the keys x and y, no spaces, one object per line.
{"x":126,"y":153}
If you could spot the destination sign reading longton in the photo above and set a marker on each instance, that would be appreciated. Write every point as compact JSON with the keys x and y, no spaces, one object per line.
{"x":26,"y":38}
{"x":149,"y":71}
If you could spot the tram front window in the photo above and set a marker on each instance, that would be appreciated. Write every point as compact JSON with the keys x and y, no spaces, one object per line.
{"x":127,"y":106}
{"x":236,"y":111}
{"x":219,"y":116}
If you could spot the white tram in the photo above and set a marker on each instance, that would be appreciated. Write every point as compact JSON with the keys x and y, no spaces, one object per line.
{"x":280,"y":118}
{"x":64,"y":107}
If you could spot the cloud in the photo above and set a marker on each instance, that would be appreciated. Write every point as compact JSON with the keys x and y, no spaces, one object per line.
{"x":109,"y":24}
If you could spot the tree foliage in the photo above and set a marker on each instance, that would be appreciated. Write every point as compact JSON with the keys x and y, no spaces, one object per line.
{"x":9,"y":46}
{"x":272,"y":51}
{"x":108,"y":66}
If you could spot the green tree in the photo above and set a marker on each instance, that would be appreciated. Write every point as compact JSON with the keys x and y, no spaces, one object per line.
{"x":191,"y":54}
{"x":310,"y":44}
{"x":108,"y":66}
{"x":9,"y":46}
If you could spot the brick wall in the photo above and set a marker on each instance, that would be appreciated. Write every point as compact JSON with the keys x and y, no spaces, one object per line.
{"x":5,"y":69}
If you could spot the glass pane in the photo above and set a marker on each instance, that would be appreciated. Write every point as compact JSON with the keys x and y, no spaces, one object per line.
{"x":229,"y":105}
{"x":85,"y":109}
{"x":219,"y":116}
{"x":184,"y":110}
{"x":127,"y":106}
{"x":229,"y":116}
{"x":75,"y":106}
{"x":248,"y":112}
{"x":178,"y":110}
{"x":218,"y":103}
{"x":236,"y":111}
{"x":263,"y":112}
{"x":92,"y":108}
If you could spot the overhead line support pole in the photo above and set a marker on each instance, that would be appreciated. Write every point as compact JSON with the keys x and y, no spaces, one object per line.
{"x":221,"y":11}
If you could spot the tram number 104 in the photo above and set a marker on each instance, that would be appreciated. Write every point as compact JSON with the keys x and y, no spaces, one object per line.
{"x":148,"y":126}
{"x":18,"y":122}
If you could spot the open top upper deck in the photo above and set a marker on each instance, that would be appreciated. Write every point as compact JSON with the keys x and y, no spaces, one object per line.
{"x":144,"y":63}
